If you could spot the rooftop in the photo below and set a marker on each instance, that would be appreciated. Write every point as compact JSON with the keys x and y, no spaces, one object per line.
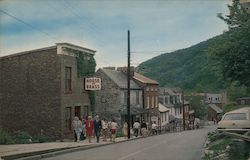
{"x":120,"y":78}
{"x":144,"y":79}
{"x":215,"y":108}
{"x":48,"y":48}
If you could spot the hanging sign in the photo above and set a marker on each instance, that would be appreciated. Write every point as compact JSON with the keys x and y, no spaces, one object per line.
{"x":92,"y":83}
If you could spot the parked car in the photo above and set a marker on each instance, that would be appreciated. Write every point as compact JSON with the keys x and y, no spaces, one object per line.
{"x":236,"y":120}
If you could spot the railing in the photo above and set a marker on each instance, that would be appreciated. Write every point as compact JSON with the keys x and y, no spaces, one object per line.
{"x":236,"y":135}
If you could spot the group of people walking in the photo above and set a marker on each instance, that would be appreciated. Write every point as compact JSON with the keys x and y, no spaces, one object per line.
{"x":140,"y":129}
{"x":90,"y":127}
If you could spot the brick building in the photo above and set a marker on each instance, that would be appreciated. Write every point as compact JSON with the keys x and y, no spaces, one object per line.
{"x":150,"y":97}
{"x":40,"y":90}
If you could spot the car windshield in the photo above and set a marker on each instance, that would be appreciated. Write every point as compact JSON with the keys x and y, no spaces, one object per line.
{"x":235,"y":116}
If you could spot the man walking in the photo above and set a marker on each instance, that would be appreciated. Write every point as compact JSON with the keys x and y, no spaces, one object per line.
{"x":136,"y":127}
{"x":97,"y":128}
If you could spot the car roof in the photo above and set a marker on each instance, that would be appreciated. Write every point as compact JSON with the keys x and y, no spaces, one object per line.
{"x":240,"y":110}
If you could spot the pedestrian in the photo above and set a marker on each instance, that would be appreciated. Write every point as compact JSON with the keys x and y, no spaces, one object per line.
{"x":144,"y":130}
{"x":136,"y":127}
{"x":125,"y":130}
{"x":110,"y":131}
{"x":97,"y":128}
{"x":89,"y":125}
{"x":113,"y":129}
{"x":83,"y":134}
{"x":154,"y":128}
{"x":77,"y":128}
{"x":104,"y":129}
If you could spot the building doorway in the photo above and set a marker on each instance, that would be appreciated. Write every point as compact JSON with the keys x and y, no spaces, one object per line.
{"x":78,"y":111}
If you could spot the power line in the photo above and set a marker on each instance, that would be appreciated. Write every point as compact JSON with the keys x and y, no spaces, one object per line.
{"x":152,"y":52}
{"x":29,"y":25}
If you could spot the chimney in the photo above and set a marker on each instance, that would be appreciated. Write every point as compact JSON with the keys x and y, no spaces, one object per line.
{"x":124,"y":70}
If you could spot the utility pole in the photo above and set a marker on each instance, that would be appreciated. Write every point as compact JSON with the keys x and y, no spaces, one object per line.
{"x":128,"y":89}
{"x":183,"y":111}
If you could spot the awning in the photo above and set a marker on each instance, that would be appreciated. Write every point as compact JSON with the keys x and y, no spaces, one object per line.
{"x":174,"y":119}
{"x":215,"y":108}
{"x":191,"y":112}
{"x":162,"y":108}
{"x":134,"y":111}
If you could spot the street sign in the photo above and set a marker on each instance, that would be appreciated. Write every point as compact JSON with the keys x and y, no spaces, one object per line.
{"x":93,"y":83}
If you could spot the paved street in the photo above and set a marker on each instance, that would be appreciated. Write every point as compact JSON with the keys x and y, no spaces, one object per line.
{"x":174,"y":146}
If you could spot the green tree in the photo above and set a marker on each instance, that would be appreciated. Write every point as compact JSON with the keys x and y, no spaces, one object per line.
{"x":232,"y":49}
{"x":197,"y":106}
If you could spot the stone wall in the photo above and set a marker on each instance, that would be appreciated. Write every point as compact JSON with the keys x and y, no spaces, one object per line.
{"x":108,"y":104}
{"x":77,"y":98}
{"x":30,"y":93}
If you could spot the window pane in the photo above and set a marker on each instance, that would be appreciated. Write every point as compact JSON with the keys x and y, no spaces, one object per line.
{"x":235,"y":116}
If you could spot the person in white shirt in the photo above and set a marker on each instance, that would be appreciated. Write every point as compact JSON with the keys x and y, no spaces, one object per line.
{"x":154,"y":128}
{"x":136,"y":127}
{"x":104,"y":129}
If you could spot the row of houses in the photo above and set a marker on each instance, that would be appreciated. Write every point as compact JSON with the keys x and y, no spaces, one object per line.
{"x":41,"y":92}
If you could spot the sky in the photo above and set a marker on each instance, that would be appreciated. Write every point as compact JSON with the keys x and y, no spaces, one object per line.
{"x":156,"y":26}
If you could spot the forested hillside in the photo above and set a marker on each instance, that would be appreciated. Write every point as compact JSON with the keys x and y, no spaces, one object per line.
{"x":190,"y":69}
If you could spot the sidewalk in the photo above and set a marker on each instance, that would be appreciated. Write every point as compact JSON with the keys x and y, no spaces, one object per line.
{"x":8,"y":150}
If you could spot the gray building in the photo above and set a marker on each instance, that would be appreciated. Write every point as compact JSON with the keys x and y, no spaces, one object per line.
{"x":111,"y":100}
{"x":40,"y":91}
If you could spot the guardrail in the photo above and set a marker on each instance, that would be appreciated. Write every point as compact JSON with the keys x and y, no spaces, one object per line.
{"x":236,"y":135}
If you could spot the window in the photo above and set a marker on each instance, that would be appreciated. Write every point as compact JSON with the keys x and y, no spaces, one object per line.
{"x":152,"y":102}
{"x":161,"y":100}
{"x":156,"y":101}
{"x":67,"y":117}
{"x":166,"y":100}
{"x":137,"y":98}
{"x":68,"y":80}
{"x":147,"y":88}
{"x":147,"y":101}
{"x":235,"y":116}
{"x":242,"y":102}
{"x":171,"y":99}
{"x":175,"y":99}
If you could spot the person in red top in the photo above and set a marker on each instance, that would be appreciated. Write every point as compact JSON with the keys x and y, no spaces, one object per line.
{"x":89,"y":124}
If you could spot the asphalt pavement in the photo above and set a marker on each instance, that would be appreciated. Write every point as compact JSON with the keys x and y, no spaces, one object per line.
{"x":185,"y":145}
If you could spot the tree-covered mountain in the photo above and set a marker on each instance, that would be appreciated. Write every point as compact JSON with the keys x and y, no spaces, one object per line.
{"x":220,"y":63}
{"x":190,"y":69}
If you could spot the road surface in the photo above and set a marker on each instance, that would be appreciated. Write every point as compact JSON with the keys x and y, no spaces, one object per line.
{"x":185,"y":145}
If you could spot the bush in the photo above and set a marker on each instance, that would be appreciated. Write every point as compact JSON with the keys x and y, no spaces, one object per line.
{"x":213,"y":136}
{"x":40,"y":139}
{"x":21,"y":137}
{"x":5,"y":138}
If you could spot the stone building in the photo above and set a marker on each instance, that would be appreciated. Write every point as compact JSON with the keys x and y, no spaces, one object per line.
{"x":40,"y":91}
{"x":111,"y":100}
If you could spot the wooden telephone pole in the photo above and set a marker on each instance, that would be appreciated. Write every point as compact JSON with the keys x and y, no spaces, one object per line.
{"x":128,"y":87}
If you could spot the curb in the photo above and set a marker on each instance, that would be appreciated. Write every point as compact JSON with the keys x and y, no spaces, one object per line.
{"x":37,"y":155}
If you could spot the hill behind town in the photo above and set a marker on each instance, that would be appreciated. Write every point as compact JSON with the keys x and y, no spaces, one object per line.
{"x":191,"y":69}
